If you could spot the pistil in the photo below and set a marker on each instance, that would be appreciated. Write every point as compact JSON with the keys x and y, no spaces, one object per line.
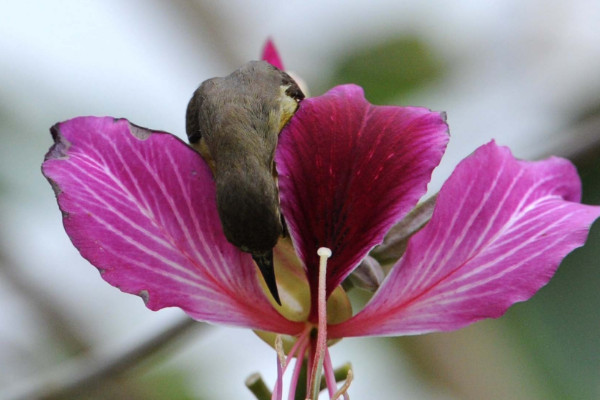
{"x":321,"y":344}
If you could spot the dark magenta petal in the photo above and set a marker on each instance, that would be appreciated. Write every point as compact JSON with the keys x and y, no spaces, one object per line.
{"x":140,"y":206}
{"x":271,"y":55}
{"x":499,"y":230}
{"x":349,"y":170}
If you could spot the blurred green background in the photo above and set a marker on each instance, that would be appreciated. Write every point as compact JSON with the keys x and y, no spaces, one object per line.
{"x":524,"y":74}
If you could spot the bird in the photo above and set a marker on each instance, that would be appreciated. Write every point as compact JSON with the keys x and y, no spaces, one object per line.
{"x":234,"y":123}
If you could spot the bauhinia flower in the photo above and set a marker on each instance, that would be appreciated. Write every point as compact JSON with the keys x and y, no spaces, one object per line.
{"x":140,"y":206}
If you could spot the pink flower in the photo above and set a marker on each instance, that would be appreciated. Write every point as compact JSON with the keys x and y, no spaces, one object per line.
{"x":140,"y":206}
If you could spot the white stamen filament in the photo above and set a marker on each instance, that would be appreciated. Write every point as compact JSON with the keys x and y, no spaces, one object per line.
{"x":324,"y":253}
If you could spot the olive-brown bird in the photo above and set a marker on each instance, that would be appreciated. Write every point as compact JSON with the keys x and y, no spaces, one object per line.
{"x":234,"y":123}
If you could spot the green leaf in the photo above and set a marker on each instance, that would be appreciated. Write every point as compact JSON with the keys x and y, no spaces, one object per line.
{"x":391,"y":68}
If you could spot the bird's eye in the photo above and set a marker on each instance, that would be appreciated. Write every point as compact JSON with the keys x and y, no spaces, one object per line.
{"x":195,"y":136}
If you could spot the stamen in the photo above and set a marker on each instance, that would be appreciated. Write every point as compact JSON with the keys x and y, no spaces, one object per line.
{"x":279,"y":350}
{"x":278,"y":390}
{"x":298,"y":350}
{"x":297,"y":368}
{"x":321,"y":345}
{"x":344,"y":389}
{"x":281,"y":367}
{"x":329,"y":375}
{"x":312,"y":345}
{"x":301,"y":342}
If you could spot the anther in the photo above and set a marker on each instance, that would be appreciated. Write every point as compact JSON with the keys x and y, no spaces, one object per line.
{"x":279,"y":350}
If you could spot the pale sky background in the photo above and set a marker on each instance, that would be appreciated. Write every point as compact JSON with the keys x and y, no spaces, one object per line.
{"x":521,"y":71}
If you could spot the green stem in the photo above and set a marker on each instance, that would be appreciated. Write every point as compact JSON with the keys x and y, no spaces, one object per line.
{"x":258,"y":387}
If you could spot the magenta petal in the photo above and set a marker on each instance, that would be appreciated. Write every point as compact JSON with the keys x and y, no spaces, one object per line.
{"x":271,"y":55}
{"x":499,"y":230}
{"x":140,"y":206}
{"x":349,"y":170}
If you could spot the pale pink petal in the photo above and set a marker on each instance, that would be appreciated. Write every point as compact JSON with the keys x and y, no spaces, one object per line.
{"x":140,"y":206}
{"x":349,"y":170}
{"x":499,"y":230}
{"x":271,"y":55}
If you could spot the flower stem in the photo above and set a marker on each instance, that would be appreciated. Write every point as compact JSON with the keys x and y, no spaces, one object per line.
{"x":258,"y":387}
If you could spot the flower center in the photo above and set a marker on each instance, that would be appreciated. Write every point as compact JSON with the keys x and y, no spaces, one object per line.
{"x":294,"y":290}
{"x":310,"y":348}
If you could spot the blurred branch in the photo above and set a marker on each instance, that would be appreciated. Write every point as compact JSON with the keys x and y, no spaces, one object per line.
{"x":87,"y":373}
{"x":205,"y":20}
{"x":219,"y":27}
{"x":580,"y":140}
{"x":44,"y":308}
